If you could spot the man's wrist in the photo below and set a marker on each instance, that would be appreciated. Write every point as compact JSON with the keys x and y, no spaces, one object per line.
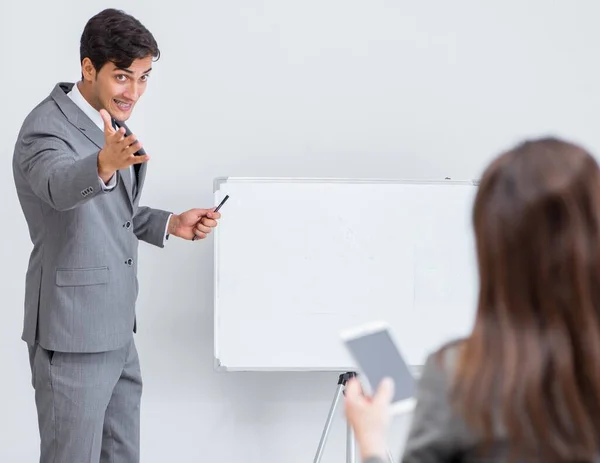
{"x":104,"y":172}
{"x":173,"y":224}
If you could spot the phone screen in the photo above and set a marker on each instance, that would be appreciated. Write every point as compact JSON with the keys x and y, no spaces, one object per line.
{"x":378,"y":357}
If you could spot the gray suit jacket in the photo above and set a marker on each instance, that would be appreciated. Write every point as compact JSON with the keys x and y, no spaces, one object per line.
{"x":437,"y":433}
{"x":81,"y":284}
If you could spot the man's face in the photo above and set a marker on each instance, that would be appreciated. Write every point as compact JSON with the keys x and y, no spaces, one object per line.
{"x":117,"y":90}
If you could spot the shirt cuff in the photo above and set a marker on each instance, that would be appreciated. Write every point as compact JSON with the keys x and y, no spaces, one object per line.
{"x":166,"y":235}
{"x":111,"y":184}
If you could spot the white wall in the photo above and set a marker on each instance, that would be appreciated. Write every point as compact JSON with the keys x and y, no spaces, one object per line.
{"x":313,"y":88}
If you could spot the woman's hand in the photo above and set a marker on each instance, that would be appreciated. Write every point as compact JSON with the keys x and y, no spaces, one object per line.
{"x":369,"y":417}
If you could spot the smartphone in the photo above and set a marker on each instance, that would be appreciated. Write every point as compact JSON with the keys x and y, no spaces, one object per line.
{"x":377,"y":356}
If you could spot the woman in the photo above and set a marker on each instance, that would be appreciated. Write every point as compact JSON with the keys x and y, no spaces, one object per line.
{"x":525,"y":384}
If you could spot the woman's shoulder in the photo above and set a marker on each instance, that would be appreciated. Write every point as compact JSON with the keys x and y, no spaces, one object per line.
{"x":444,"y":359}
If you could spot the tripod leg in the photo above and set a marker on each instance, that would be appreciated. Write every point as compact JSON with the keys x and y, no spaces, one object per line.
{"x":325,"y":433}
{"x":350,"y":445}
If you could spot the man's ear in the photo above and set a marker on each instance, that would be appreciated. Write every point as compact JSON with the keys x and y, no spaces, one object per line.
{"x":88,"y":71}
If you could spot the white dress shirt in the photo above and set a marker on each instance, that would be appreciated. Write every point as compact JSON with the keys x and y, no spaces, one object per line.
{"x":96,"y":118}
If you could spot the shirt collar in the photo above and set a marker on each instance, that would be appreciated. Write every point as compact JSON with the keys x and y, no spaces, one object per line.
{"x":87,"y":108}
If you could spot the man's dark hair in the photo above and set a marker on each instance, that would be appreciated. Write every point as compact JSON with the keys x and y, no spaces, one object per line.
{"x":115,"y":36}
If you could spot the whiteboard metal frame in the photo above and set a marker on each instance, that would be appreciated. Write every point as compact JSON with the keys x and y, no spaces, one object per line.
{"x":219,"y":181}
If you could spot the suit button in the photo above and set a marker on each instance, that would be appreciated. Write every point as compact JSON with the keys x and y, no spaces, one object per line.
{"x":129,"y":261}
{"x":127,"y":225}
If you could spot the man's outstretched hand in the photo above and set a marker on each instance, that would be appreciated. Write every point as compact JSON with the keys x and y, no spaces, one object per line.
{"x":118,"y":150}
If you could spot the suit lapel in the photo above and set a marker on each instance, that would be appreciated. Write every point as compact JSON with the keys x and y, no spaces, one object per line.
{"x":141,"y":177}
{"x":139,"y":171}
{"x":126,"y":179}
{"x":75,"y":115}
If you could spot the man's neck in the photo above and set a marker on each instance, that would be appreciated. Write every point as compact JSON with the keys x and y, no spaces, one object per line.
{"x":86,"y":92}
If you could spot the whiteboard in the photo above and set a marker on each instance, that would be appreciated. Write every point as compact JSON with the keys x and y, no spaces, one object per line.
{"x":297,"y":261}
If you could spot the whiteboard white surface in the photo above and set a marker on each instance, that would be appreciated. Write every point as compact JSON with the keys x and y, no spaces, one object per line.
{"x":297,"y":261}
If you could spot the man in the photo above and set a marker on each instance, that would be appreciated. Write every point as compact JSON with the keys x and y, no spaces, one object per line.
{"x":79,"y":184}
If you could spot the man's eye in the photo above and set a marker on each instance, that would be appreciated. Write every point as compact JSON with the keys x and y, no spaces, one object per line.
{"x":145,"y":77}
{"x":121,"y":77}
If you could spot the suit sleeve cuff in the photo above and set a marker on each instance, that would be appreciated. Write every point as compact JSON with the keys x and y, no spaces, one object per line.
{"x":111,"y":184}
{"x":166,"y":235}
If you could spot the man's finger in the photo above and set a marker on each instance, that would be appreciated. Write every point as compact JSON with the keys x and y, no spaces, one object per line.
{"x":128,"y":140}
{"x":208,"y":222}
{"x":133,"y":148}
{"x":199,"y":235}
{"x":108,"y":128}
{"x":139,"y":159}
{"x":203,"y":228}
{"x":117,"y":135}
{"x":199,"y":213}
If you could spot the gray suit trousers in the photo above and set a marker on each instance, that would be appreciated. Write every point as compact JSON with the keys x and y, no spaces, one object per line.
{"x":88,"y":405}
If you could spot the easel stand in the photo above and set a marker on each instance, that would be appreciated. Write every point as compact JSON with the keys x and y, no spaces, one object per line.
{"x":350,"y":439}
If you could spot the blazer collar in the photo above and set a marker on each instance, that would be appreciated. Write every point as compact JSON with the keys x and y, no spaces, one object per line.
{"x":75,"y":115}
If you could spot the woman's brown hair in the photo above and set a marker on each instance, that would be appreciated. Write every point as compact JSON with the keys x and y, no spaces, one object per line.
{"x":531,"y":365}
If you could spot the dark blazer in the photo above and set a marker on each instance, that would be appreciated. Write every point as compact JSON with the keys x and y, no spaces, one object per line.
{"x":437,"y":433}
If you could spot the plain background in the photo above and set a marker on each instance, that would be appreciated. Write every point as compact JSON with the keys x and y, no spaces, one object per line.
{"x":282,"y":88}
